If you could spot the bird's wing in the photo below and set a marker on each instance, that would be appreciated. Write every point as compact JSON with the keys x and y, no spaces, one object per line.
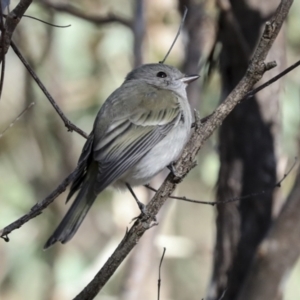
{"x":133,"y":133}
{"x":82,"y":166}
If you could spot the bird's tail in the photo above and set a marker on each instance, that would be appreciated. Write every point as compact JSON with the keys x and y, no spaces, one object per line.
{"x":75,"y":215}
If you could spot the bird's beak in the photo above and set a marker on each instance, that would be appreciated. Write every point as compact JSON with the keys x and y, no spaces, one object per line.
{"x":189,"y":78}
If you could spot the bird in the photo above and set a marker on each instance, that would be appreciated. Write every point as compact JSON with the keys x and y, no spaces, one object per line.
{"x":141,"y":128}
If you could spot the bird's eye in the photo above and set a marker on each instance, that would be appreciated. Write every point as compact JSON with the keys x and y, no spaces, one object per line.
{"x":161,"y":75}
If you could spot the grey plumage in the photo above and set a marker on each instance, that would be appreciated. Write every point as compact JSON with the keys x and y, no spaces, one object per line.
{"x":140,"y":129}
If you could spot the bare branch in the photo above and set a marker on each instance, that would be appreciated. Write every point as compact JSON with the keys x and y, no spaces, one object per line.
{"x":272,"y":80}
{"x":253,"y":92}
{"x":45,"y":22}
{"x":95,"y":19}
{"x":201,"y":133}
{"x":252,"y":195}
{"x":38,"y":208}
{"x":67,"y":122}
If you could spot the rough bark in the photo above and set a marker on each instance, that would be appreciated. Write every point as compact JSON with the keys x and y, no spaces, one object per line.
{"x":248,"y":148}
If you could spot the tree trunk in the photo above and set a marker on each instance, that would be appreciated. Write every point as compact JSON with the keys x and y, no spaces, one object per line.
{"x":248,"y":148}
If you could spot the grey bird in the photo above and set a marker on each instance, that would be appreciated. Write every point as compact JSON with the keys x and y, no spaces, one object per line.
{"x":140,"y":129}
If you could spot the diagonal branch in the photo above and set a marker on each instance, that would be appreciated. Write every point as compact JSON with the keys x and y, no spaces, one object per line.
{"x":66,"y":121}
{"x":272,"y":80}
{"x":201,"y":133}
{"x":38,"y":208}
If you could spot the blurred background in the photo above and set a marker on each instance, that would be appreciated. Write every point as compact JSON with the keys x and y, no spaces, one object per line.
{"x":80,"y":66}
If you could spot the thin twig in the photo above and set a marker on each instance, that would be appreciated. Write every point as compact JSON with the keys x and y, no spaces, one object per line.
{"x":272,"y":80}
{"x":253,"y":92}
{"x":159,"y":276}
{"x":252,"y":195}
{"x":67,"y":122}
{"x":42,"y":21}
{"x":16,"y":119}
{"x":38,"y":208}
{"x":177,"y":35}
{"x":45,"y":22}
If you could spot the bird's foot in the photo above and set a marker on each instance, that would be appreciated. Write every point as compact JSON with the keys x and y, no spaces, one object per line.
{"x":171,"y":167}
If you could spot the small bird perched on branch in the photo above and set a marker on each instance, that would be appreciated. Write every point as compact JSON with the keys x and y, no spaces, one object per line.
{"x":141,"y":128}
